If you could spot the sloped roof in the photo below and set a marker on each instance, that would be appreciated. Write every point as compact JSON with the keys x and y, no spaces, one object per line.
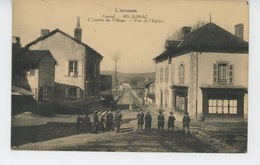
{"x":148,"y":84}
{"x":91,"y":50}
{"x":21,"y":91}
{"x":34,"y":56}
{"x":208,"y":38}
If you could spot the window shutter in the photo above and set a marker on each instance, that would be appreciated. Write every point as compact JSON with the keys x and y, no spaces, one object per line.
{"x":231,"y":74}
{"x":66,"y":68}
{"x":80,"y":68}
{"x":52,"y":92}
{"x":67,"y":93}
{"x":166,"y":74}
{"x":183,"y":74}
{"x":40,"y":94}
{"x":215,"y":73}
{"x":78,"y":93}
{"x":172,"y":72}
{"x":157,"y":75}
{"x":179,"y":74}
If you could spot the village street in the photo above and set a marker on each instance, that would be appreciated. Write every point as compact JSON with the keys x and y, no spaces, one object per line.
{"x":129,"y":138}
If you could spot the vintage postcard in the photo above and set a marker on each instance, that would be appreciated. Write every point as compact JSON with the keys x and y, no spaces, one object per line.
{"x":130,"y":76}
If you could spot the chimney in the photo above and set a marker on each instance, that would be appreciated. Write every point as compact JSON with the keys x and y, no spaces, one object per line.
{"x":44,"y":32}
{"x":78,"y":30}
{"x":239,"y":30}
{"x":186,"y":30}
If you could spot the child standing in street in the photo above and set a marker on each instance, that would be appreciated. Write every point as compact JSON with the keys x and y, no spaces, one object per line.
{"x":171,"y":121}
{"x":186,"y":122}
{"x":80,"y":124}
{"x":160,"y":121}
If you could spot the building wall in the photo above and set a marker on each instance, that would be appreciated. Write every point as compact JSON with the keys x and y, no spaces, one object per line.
{"x":32,"y":80}
{"x":173,"y":78}
{"x":205,"y":76}
{"x":161,"y":86}
{"x":105,"y":82}
{"x":151,"y":88}
{"x":47,"y":74}
{"x":206,"y":61}
{"x":64,"y":49}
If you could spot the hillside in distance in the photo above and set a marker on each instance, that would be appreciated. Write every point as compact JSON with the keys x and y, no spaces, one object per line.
{"x":127,"y":77}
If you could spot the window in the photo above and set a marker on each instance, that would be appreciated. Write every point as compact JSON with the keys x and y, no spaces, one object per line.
{"x":180,"y":102}
{"x":223,"y":73}
{"x":166,"y":74}
{"x":46,"y":93}
{"x":181,"y":73}
{"x":161,"y":75}
{"x":166,"y":97}
{"x":222,"y":106}
{"x":30,"y":72}
{"x":72,"y":93}
{"x":73,"y":68}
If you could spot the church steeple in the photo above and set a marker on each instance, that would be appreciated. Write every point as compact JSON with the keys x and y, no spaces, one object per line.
{"x":78,"y":30}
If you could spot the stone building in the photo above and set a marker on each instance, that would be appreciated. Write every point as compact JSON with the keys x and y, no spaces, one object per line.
{"x":33,"y":81}
{"x":77,"y":73}
{"x":204,"y":73}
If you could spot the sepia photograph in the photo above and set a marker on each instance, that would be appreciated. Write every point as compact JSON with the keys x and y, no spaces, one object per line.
{"x":130,"y":76}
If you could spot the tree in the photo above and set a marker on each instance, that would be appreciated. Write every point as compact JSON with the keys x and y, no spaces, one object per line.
{"x":178,"y":34}
{"x":115,"y":57}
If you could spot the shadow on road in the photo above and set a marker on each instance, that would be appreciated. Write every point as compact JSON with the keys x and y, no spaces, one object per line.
{"x":31,"y":134}
{"x":122,"y":106}
{"x":128,"y":120}
{"x":127,"y":129}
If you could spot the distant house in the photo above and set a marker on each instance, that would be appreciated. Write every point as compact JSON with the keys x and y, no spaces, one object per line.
{"x":34,"y":78}
{"x":204,"y":73}
{"x":77,"y":73}
{"x":140,"y":90}
{"x":150,"y":93}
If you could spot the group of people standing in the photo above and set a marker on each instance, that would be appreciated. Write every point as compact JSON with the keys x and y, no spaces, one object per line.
{"x":113,"y":123}
{"x":147,"y":120}
{"x":108,"y":122}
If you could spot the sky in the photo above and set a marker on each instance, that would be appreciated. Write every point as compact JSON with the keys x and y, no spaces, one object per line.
{"x":137,"y":42}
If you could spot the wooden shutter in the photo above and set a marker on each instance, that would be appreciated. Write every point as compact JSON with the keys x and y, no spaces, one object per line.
{"x":40,"y":94}
{"x":183,"y":74}
{"x":215,"y":73}
{"x":78,"y":93}
{"x":157,"y":75}
{"x":80,"y":70}
{"x":66,"y":68}
{"x":52,"y":92}
{"x":172,"y":72}
{"x":231,"y":74}
{"x":67,"y":95}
